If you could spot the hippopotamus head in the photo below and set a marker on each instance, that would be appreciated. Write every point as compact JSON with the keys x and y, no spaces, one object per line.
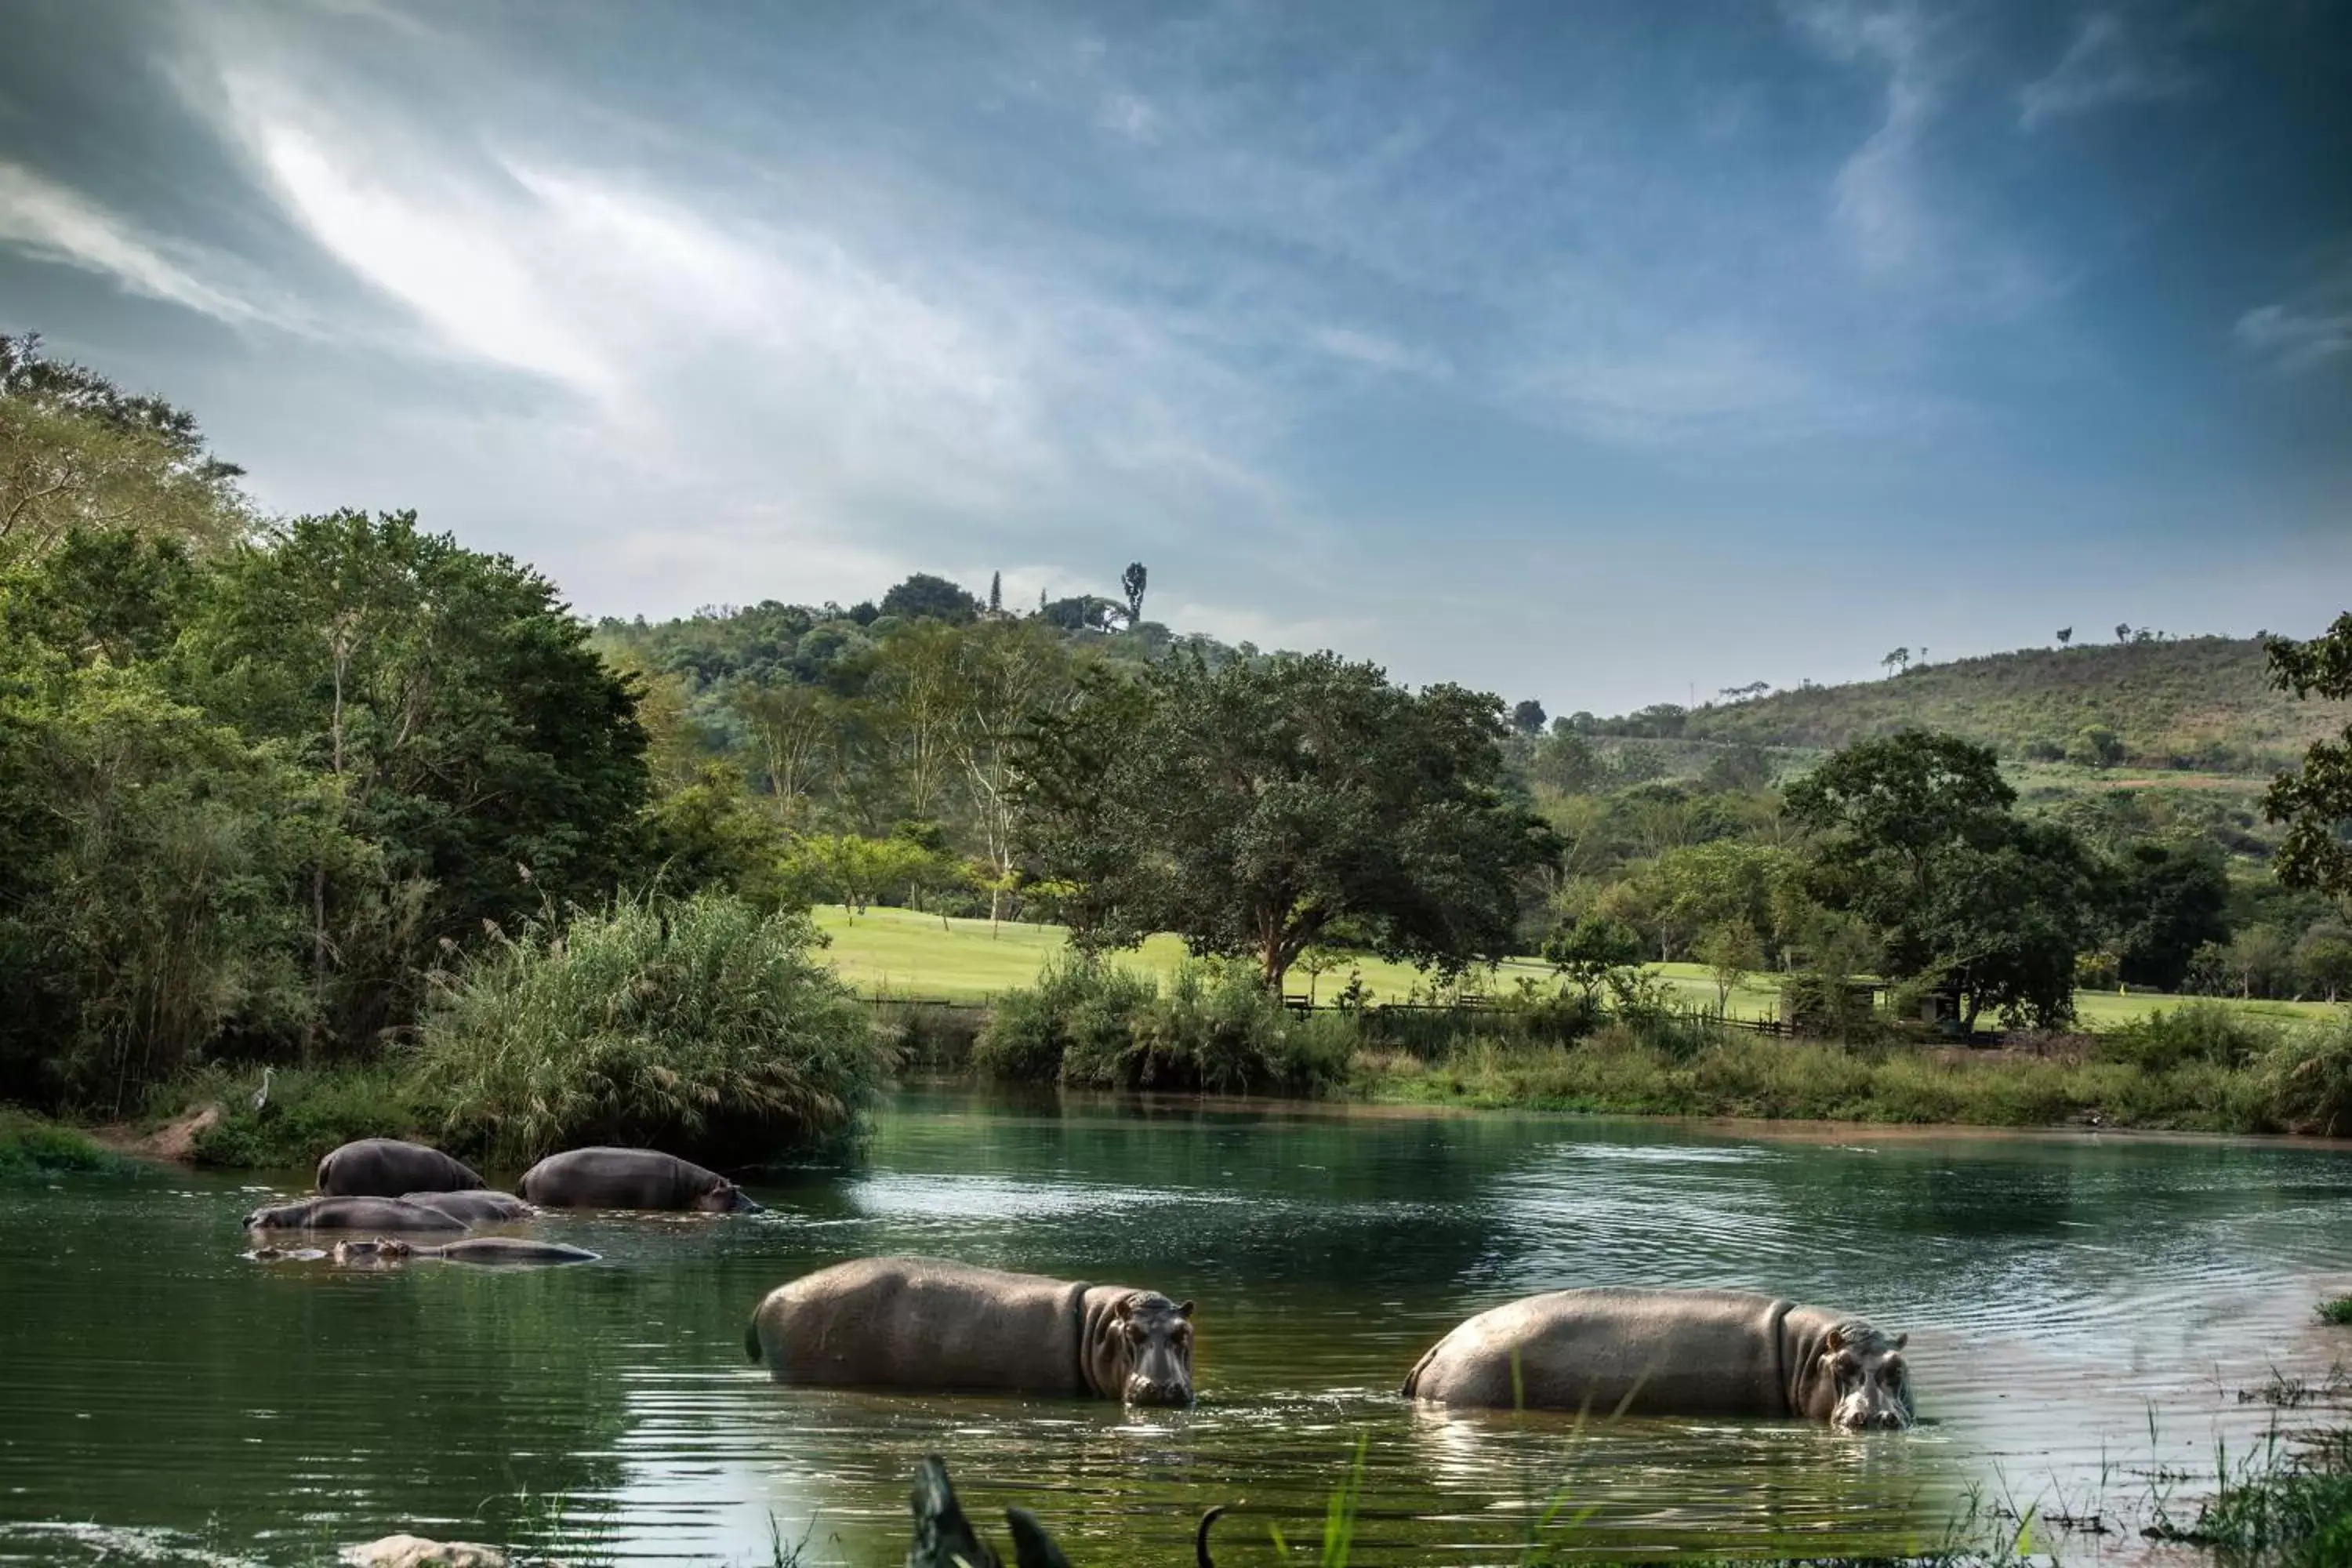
{"x":1158,"y":1337}
{"x":726,"y":1197}
{"x":1863,"y":1370}
{"x":382,"y":1249}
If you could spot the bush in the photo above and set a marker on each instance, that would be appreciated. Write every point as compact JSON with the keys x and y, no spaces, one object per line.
{"x":309,"y":1111}
{"x":34,"y":1145}
{"x":701,"y":1025}
{"x":1215,"y":1028}
{"x":2193,"y":1031}
{"x":2309,"y":1082}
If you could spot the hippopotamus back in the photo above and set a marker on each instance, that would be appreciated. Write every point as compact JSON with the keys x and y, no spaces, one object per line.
{"x":1668,"y":1352}
{"x":479,"y":1208}
{"x":387,"y":1167}
{"x":629,"y":1179}
{"x":351,"y":1213}
{"x":920,"y":1322}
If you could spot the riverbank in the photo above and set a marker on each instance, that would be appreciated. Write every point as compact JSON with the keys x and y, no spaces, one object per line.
{"x":36,"y":1145}
{"x":1749,"y":1077}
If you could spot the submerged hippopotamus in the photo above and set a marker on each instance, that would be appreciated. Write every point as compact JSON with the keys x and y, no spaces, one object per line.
{"x":480,"y":1208}
{"x":351,"y":1214}
{"x":491,"y":1250}
{"x":386,"y":1167}
{"x":918,"y":1322}
{"x":630,"y":1179}
{"x":1670,"y":1353}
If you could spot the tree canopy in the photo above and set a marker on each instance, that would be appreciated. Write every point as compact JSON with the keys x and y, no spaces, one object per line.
{"x":1250,"y":808}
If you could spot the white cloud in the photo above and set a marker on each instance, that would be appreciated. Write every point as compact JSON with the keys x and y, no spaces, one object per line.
{"x":1377,"y":350}
{"x":2299,"y":336}
{"x":2100,"y":68}
{"x":47,"y":220}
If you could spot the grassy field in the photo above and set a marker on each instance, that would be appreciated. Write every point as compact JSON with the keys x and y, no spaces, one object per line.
{"x":893,"y":953}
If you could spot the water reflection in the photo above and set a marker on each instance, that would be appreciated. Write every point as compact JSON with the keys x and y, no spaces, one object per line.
{"x":2056,"y":1290}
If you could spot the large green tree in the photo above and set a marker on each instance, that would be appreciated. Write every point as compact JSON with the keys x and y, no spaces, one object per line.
{"x":2315,"y":803}
{"x":458,"y":719}
{"x":1914,"y":834}
{"x":1250,"y":808}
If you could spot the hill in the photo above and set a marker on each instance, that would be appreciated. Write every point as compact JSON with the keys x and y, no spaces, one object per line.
{"x":2193,"y":704}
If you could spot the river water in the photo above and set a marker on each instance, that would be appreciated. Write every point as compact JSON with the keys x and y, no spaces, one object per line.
{"x":2083,"y":1312}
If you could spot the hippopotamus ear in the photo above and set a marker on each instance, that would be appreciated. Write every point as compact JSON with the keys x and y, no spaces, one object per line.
{"x":1901,"y":1340}
{"x":1185,"y":1310}
{"x":1126,"y":1308}
{"x":1836,"y":1340}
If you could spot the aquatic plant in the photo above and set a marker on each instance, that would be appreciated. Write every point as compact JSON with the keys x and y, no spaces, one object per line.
{"x":701,"y":1025}
{"x":2338,"y":1310}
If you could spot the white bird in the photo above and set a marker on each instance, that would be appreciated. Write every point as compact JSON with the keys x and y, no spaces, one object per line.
{"x":261,"y":1095}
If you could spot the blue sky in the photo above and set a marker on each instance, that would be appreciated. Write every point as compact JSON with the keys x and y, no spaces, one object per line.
{"x":1600,"y":352}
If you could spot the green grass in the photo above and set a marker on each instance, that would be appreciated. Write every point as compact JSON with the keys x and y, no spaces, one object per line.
{"x":897,"y":952}
{"x":34,"y":1145}
{"x":2339,"y":1310}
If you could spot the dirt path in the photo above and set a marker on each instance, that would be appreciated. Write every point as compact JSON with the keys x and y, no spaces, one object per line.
{"x":175,"y":1143}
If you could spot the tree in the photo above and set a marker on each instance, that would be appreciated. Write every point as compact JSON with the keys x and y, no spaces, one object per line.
{"x":1131,"y":583}
{"x":2096,"y":746}
{"x":1731,"y":952}
{"x":2123,"y":631}
{"x":2322,"y":960}
{"x":77,"y":452}
{"x":1898,"y":659}
{"x":1005,"y":675}
{"x":1587,"y":953}
{"x":924,"y":598}
{"x":1527,"y":717}
{"x":2316,"y":802}
{"x":996,"y":592}
{"x":1259,"y":804}
{"x":913,"y":699}
{"x":2167,"y":902}
{"x":455,"y":715}
{"x":2261,"y":961}
{"x":1913,"y":837}
{"x":2065,"y":635}
{"x":790,"y":724}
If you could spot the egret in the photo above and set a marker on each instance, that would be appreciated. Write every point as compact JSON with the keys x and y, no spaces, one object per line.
{"x":261,"y":1095}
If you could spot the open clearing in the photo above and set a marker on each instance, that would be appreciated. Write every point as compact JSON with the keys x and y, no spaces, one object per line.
{"x":897,"y":952}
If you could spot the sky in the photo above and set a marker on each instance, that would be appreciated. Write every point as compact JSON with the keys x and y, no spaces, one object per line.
{"x":1601,"y":352}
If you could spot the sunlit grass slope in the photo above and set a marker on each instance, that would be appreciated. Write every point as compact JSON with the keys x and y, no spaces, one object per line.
{"x":895,"y":953}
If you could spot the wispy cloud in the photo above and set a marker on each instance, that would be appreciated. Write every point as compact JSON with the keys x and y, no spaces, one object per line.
{"x":2300,"y":334}
{"x":2103,"y":66}
{"x":48,"y":221}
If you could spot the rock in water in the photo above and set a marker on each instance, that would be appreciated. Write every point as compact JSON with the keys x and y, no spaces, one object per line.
{"x":415,"y":1551}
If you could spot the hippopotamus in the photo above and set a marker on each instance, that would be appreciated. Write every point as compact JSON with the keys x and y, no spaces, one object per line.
{"x":481,"y":1207}
{"x":1671,"y":1352}
{"x":351,"y":1214}
{"x":386,"y":1167}
{"x":490,"y":1250}
{"x":918,"y":1322}
{"x":630,"y":1179}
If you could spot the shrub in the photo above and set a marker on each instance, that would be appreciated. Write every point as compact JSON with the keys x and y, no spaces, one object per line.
{"x":1214,"y":1026}
{"x":309,"y":1111}
{"x":35,"y":1145}
{"x":703,"y":1026}
{"x":2193,"y":1031}
{"x":2309,"y":1082}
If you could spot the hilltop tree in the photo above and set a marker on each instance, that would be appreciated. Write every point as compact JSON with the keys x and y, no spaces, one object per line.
{"x":1899,"y":658}
{"x":2123,"y":631}
{"x":924,"y":598}
{"x":78,"y":452}
{"x":1254,"y":807}
{"x":1131,"y":583}
{"x":2065,"y":635}
{"x":1527,"y":717}
{"x":2315,"y":803}
{"x":996,"y":592}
